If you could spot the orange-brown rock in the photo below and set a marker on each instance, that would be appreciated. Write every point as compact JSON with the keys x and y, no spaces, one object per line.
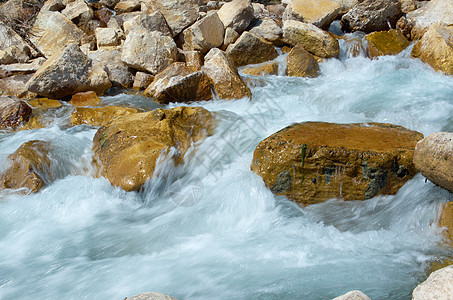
{"x":389,"y":42}
{"x":446,"y":220}
{"x":13,"y":112}
{"x":29,"y":167}
{"x":314,"y":161}
{"x":99,"y":116}
{"x":85,"y":99}
{"x":433,"y":157}
{"x":436,"y":48}
{"x":44,"y":103}
{"x":33,"y":123}
{"x":128,"y":147}
{"x":270,"y":68}
{"x":301,"y":63}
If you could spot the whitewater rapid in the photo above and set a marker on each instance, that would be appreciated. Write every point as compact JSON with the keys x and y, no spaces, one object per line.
{"x":210,"y":229}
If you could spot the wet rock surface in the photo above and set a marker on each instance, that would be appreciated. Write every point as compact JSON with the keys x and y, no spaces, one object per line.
{"x":313,"y":161}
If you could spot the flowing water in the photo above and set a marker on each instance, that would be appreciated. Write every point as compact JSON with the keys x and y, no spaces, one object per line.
{"x":210,"y":229}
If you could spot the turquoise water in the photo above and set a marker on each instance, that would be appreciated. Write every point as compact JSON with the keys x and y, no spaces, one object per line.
{"x":210,"y":229}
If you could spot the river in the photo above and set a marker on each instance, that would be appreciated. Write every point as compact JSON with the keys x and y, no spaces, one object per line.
{"x":210,"y":229}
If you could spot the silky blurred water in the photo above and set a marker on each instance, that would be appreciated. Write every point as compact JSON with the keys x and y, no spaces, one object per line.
{"x":210,"y":229}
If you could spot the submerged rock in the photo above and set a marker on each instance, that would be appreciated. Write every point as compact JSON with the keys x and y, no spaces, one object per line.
{"x":128,"y":147}
{"x":68,"y":72}
{"x":314,"y":40}
{"x":436,"y":48}
{"x":389,"y":42}
{"x":314,"y":161}
{"x":437,"y":286}
{"x":317,"y":12}
{"x":433,"y":157}
{"x":28,"y":168}
{"x":99,"y":116}
{"x":224,"y":76}
{"x":250,"y":49}
{"x":179,"y":83}
{"x":353,"y":295}
{"x":301,"y":63}
{"x":13,"y":112}
{"x":151,"y":296}
{"x":372,"y":15}
{"x":446,"y":221}
{"x":85,"y":99}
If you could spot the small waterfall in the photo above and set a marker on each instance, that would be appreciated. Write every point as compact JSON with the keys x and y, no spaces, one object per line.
{"x":353,"y":45}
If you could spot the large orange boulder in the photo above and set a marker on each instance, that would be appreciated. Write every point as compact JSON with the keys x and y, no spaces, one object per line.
{"x":128,"y":147}
{"x":315,"y":161}
{"x":446,"y":221}
{"x":28,"y":168}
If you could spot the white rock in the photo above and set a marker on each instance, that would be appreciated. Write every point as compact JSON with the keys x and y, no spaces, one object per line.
{"x":236,"y":14}
{"x":353,"y":295}
{"x":438,"y":286}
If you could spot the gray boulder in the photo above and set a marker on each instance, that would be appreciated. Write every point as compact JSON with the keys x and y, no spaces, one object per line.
{"x":68,"y":72}
{"x":119,"y":73}
{"x":372,"y":15}
{"x":149,"y":51}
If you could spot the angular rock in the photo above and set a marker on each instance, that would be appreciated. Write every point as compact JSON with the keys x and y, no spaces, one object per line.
{"x":193,"y":59}
{"x":231,"y":36}
{"x":142,"y":80}
{"x":250,"y":49}
{"x":127,"y":6}
{"x":11,"y":42}
{"x":151,"y":296}
{"x":276,"y":10}
{"x":118,"y":72}
{"x":21,"y":69}
{"x":144,"y":22}
{"x":269,"y":30}
{"x":313,"y":39}
{"x":446,"y":221}
{"x":372,"y":15}
{"x":437,"y":286}
{"x":68,"y":72}
{"x":14,"y":54}
{"x":13,"y":112}
{"x":346,"y":5}
{"x":270,"y":68}
{"x":128,"y":147}
{"x":317,"y":12}
{"x":314,"y":161}
{"x":29,"y":167}
{"x":389,"y":42}
{"x":259,"y":11}
{"x":408,"y":5}
{"x":224,"y":76}
{"x":78,"y":12}
{"x":179,"y":14}
{"x":99,"y":116}
{"x":149,"y":51}
{"x":179,"y":83}
{"x":52,"y":31}
{"x":435,"y":48}
{"x":353,"y":295}
{"x":204,"y":34}
{"x":85,"y":99}
{"x":16,"y":85}
{"x":433,"y":157}
{"x":107,"y":37}
{"x":237,"y":14}
{"x":300,"y":63}
{"x":434,"y":12}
